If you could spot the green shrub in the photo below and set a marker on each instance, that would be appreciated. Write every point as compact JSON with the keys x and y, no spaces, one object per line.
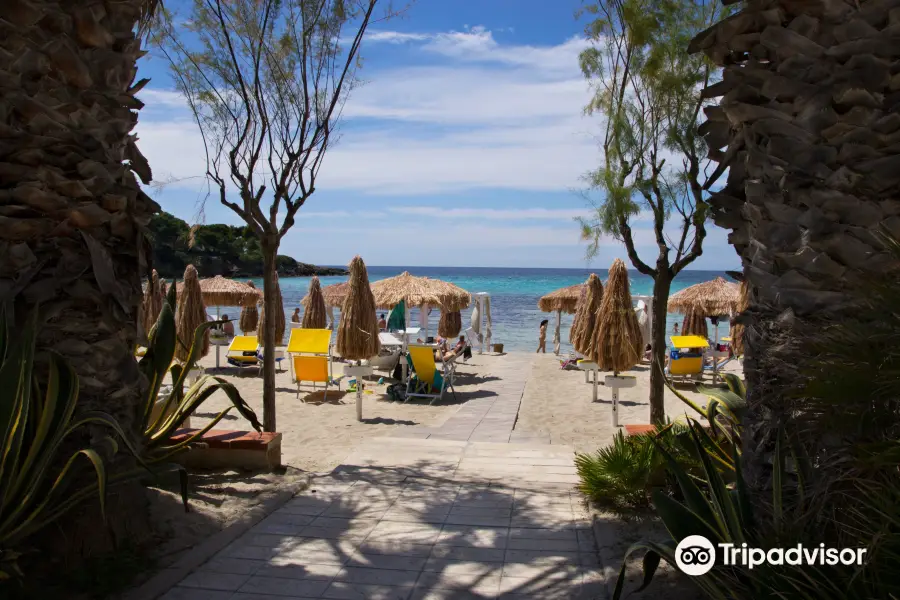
{"x":181,"y":402}
{"x":38,"y":482}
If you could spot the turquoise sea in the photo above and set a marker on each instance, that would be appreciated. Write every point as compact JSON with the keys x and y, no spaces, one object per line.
{"x":514,"y":296}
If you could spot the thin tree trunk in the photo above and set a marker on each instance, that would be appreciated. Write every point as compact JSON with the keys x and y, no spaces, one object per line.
{"x":661,"y":288}
{"x":270,"y":250}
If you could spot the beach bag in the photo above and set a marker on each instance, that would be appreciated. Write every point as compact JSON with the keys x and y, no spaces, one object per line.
{"x":467,"y":353}
{"x":396,"y":391}
{"x":397,"y":374}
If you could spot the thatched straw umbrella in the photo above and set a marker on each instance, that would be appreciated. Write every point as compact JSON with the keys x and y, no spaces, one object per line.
{"x":563,"y":300}
{"x":582,"y":333}
{"x":617,"y":336}
{"x":709,"y":299}
{"x":450,"y":324}
{"x":333,"y":294}
{"x":737,"y":329}
{"x":314,"y":315}
{"x":152,"y":304}
{"x":280,"y":323}
{"x":357,"y":335}
{"x":249,"y":320}
{"x":694,"y":324}
{"x":190,"y":315}
{"x":419,"y":291}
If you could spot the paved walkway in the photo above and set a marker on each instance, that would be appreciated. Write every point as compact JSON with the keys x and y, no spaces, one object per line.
{"x":448,"y":513}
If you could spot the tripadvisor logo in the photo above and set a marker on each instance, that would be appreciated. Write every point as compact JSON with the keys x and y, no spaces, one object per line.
{"x":696,"y":555}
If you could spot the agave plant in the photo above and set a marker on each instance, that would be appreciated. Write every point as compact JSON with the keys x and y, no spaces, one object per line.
{"x":180,"y":403}
{"x":726,"y":514}
{"x":38,"y":482}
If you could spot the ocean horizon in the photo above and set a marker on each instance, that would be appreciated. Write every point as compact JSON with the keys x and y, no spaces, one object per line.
{"x":514,"y":291}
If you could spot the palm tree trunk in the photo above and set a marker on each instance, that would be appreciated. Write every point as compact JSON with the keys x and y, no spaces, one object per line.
{"x":71,"y":210}
{"x":809,"y":115}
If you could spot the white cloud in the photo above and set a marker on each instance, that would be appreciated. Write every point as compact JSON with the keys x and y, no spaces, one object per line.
{"x":492,"y":214}
{"x":492,"y":115}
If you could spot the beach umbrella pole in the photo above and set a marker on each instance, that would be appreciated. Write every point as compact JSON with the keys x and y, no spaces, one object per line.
{"x":556,"y":332}
{"x":217,"y":341}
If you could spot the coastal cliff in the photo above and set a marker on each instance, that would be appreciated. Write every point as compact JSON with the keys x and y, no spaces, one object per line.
{"x":217,"y":250}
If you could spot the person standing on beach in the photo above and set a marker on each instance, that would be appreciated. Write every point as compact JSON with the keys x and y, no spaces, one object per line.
{"x":295,"y":318}
{"x":675,"y":328}
{"x":542,"y":340}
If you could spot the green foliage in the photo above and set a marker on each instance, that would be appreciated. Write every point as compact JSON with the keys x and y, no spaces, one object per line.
{"x":41,"y":478}
{"x":621,"y":476}
{"x":727,"y":514}
{"x":180,"y":403}
{"x":213,"y":249}
{"x":647,"y":89}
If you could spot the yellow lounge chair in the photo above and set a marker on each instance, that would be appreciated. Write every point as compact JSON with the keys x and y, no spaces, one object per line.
{"x":428,"y":381}
{"x":316,"y":342}
{"x":690,"y":365}
{"x":313,"y":369}
{"x":238,"y":352}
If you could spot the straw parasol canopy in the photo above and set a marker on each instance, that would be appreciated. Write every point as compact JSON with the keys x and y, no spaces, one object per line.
{"x":450,"y":324}
{"x":617,"y":336}
{"x":562,"y":300}
{"x":737,"y":329}
{"x":220,"y":291}
{"x":334,"y":294}
{"x":280,"y":323}
{"x":249,"y":320}
{"x":357,"y":335}
{"x":582,"y":332}
{"x":419,"y":291}
{"x":152,"y":303}
{"x":314,"y":315}
{"x":708,"y":299}
{"x":694,"y":324}
{"x":190,"y":315}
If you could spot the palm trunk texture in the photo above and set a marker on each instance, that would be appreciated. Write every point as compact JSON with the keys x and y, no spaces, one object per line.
{"x":808,"y":127}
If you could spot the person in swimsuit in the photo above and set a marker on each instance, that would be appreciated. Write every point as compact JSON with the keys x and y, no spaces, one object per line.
{"x":542,"y":340}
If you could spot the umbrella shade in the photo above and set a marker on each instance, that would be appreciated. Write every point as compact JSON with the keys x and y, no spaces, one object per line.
{"x":190,"y":315}
{"x":249,"y":320}
{"x":419,"y":291}
{"x":357,"y":335}
{"x":564,"y":299}
{"x":278,"y":317}
{"x":450,"y":324}
{"x":582,"y":331}
{"x":617,"y":335}
{"x":334,"y":294}
{"x":397,"y":318}
{"x":709,"y":299}
{"x":152,"y":304}
{"x":220,"y":291}
{"x":314,"y":315}
{"x":694,"y":324}
{"x":737,"y":329}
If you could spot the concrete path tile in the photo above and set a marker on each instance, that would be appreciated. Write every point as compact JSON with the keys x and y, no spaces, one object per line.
{"x":343,"y":590}
{"x":280,"y":586}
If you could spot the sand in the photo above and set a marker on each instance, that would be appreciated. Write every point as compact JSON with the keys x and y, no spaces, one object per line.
{"x":558,"y":403}
{"x":318,"y":434}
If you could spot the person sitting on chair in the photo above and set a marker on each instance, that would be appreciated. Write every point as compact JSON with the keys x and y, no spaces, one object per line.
{"x":460,"y":345}
{"x":227,"y":326}
{"x":382,"y":324}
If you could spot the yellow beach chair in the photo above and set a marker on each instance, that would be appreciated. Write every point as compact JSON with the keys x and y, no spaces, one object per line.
{"x":428,"y":380}
{"x":313,"y":369}
{"x":243,"y":352}
{"x":305,"y":342}
{"x":685,"y":365}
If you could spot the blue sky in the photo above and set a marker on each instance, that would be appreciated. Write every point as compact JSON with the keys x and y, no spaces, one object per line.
{"x":464,"y":147}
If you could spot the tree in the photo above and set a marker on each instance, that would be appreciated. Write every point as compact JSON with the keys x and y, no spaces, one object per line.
{"x":266,"y":81}
{"x":73,"y":215}
{"x":809,"y":122}
{"x":648,"y":90}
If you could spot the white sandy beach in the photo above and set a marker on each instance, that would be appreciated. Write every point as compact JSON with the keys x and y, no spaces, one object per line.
{"x":556,"y":407}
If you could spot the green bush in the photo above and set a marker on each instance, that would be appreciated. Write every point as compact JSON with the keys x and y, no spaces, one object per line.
{"x":180,"y":402}
{"x":39,"y":480}
{"x":621,"y":476}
